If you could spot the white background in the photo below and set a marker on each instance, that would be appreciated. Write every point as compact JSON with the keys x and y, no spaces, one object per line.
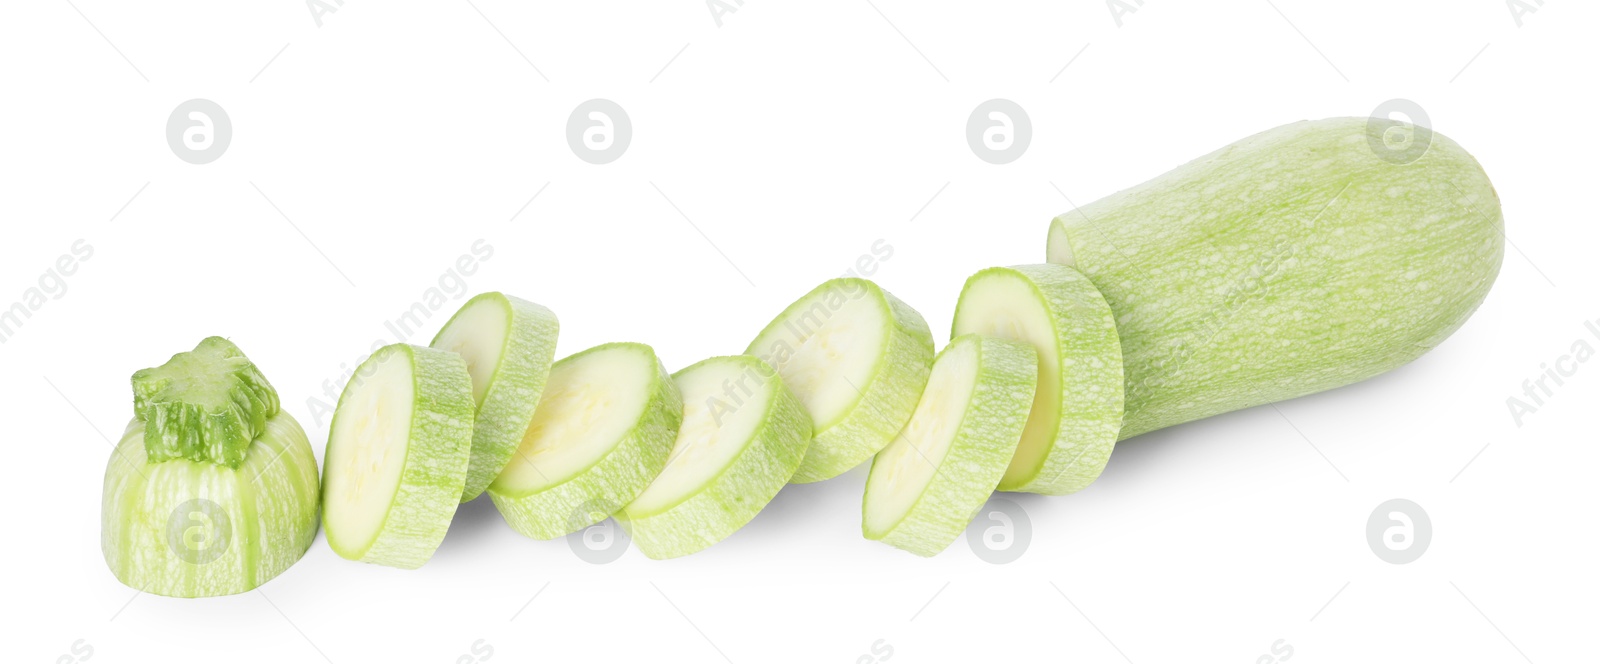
{"x":791,"y":137}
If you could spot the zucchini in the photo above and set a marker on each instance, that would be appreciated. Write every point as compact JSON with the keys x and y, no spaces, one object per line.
{"x":1077,"y":409}
{"x":508,"y":344}
{"x":602,"y":432}
{"x":1297,"y":260}
{"x":212,"y":489}
{"x":397,"y":456}
{"x":857,"y":358}
{"x":742,"y":437}
{"x":927,"y":485}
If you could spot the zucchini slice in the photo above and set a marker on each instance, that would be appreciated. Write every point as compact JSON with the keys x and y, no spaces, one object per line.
{"x":600,"y":435}
{"x":508,"y":345}
{"x":857,"y":357}
{"x":742,"y":437}
{"x":928,"y":484}
{"x":397,"y":456}
{"x":1077,"y":410}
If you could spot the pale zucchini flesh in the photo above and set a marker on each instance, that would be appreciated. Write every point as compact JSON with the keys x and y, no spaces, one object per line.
{"x":927,"y":485}
{"x":1077,"y":408}
{"x":1291,"y":262}
{"x":857,"y":358}
{"x":397,"y":456}
{"x":508,"y":344}
{"x":743,"y":435}
{"x":601,"y":433}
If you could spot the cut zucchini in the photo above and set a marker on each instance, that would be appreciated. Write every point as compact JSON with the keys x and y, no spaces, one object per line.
{"x":927,"y":485}
{"x":602,"y":431}
{"x":857,"y":358}
{"x":508,"y":344}
{"x":1077,"y":409}
{"x":397,"y":456}
{"x":1297,"y":260}
{"x":191,"y":511}
{"x":742,"y":437}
